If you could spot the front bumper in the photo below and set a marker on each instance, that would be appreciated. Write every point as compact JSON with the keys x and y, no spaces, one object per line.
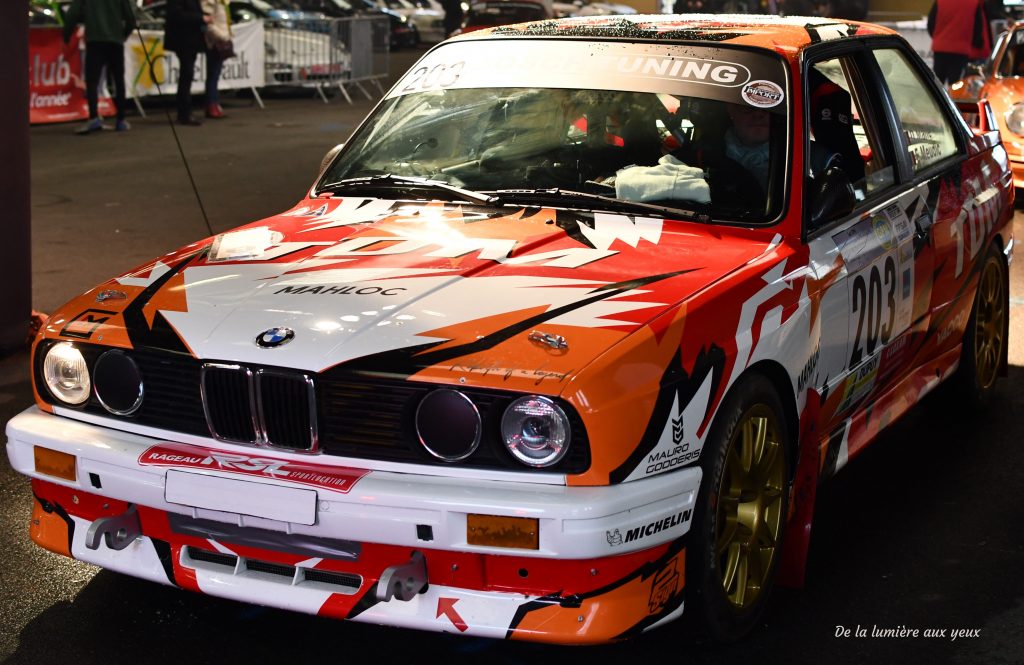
{"x":313,"y":535}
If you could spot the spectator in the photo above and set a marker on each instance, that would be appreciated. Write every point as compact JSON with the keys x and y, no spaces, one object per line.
{"x":183,"y":34}
{"x":452,"y":16}
{"x":960,"y":33}
{"x":107,"y":24}
{"x":218,"y":49}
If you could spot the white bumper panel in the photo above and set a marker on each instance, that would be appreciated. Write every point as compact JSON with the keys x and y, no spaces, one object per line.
{"x":139,"y":559}
{"x":381,"y":506}
{"x":439,"y":608}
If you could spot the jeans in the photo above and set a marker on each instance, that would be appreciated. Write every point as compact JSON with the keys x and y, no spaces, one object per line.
{"x":214,"y":65}
{"x":97,"y":56}
{"x":187,"y":59}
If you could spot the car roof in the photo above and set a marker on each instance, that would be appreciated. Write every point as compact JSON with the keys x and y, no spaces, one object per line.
{"x":788,"y":35}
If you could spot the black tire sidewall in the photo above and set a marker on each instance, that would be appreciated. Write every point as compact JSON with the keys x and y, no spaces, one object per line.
{"x":966,"y":383}
{"x":712,"y":613}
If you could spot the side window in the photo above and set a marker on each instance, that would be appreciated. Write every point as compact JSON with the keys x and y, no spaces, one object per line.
{"x":929,"y":134}
{"x":842,"y":133}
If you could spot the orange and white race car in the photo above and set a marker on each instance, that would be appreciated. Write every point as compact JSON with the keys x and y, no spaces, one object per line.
{"x":1000,"y":81}
{"x":558,"y":346}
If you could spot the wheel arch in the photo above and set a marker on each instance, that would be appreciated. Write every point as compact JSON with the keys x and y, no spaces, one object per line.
{"x":780,"y":380}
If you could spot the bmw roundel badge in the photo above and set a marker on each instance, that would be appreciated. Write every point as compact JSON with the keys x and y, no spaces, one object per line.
{"x":274,"y":337}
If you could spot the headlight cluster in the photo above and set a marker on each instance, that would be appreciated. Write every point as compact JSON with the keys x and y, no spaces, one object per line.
{"x":1015,"y":119}
{"x":66,"y":374}
{"x":115,"y":378}
{"x":534,"y":429}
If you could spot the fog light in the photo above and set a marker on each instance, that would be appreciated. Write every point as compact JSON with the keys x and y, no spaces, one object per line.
{"x":55,"y":463}
{"x":497,"y":531}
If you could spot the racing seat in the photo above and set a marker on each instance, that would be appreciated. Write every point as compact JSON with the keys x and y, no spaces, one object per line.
{"x":831,"y":121}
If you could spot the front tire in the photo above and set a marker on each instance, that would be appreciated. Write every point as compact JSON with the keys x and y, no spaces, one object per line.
{"x":741,"y":511}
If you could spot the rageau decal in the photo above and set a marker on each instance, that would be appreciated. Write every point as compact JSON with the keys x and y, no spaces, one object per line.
{"x":184,"y":456}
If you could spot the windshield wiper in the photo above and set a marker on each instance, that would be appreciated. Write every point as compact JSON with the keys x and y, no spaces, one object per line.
{"x":567,"y":196}
{"x":407,"y":182}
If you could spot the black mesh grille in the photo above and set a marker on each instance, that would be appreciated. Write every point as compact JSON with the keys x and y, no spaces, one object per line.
{"x":286,"y":400}
{"x":207,"y":556}
{"x":375,"y":418}
{"x":228,"y":403}
{"x":328,"y":577}
{"x":356,"y":415}
{"x":272,"y":568}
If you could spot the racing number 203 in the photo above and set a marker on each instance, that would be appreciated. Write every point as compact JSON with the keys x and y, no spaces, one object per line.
{"x":873,"y":297}
{"x":440,"y":75}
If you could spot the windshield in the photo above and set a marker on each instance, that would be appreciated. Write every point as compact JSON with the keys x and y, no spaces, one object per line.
{"x":700,"y":129}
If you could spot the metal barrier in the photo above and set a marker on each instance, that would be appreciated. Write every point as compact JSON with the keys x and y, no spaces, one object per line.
{"x":327,"y":53}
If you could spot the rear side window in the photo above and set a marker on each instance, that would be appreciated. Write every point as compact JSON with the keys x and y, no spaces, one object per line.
{"x":929,"y":134}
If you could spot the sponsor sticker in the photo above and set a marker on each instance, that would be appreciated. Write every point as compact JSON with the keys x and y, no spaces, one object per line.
{"x":616,"y":537}
{"x":762,"y":94}
{"x":337,"y":478}
{"x":86,"y":323}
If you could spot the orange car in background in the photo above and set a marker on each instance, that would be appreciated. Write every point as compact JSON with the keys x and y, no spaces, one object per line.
{"x":1001,"y":81}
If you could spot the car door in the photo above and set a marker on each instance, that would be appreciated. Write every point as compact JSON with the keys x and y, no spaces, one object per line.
{"x":869,"y":256}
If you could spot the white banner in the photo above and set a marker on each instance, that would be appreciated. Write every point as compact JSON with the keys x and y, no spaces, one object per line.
{"x":245,"y":70}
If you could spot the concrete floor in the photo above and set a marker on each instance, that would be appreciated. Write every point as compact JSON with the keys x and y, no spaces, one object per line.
{"x":923,"y":530}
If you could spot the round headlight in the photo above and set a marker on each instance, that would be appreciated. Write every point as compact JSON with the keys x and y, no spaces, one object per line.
{"x":66,"y":374}
{"x":118,"y":383}
{"x":536,"y":431}
{"x":448,"y":425}
{"x":1015,"y":119}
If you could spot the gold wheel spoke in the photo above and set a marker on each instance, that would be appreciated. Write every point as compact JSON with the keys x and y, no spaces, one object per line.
{"x":742,"y":575}
{"x":732,"y":564}
{"x":750,"y":505}
{"x":748,"y":516}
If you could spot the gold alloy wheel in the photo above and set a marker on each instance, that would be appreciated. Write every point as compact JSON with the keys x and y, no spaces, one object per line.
{"x":989,"y":324}
{"x":750,"y":506}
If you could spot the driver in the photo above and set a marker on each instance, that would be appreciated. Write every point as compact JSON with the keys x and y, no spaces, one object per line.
{"x":746,"y":142}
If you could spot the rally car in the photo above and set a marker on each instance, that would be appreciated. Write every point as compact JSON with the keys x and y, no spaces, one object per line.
{"x":557,"y":347}
{"x":1000,"y":81}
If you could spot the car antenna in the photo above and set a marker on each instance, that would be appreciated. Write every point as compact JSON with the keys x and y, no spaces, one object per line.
{"x":170,"y":123}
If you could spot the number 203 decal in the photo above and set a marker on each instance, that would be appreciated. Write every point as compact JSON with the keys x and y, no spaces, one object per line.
{"x":880,"y":305}
{"x":440,"y":75}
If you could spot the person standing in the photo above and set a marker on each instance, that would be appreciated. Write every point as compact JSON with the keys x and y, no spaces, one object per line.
{"x":107,"y":24}
{"x":218,"y":49}
{"x":960,"y":33}
{"x":183,"y":34}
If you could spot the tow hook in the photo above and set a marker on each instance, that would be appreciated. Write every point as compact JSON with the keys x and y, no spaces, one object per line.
{"x":119,"y":531}
{"x":403,"y":581}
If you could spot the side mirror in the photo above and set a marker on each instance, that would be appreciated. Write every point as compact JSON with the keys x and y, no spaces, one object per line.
{"x":833,"y":196}
{"x":329,"y":157}
{"x":975,"y":69}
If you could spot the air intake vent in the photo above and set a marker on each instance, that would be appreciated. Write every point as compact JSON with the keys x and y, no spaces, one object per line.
{"x":337,"y":582}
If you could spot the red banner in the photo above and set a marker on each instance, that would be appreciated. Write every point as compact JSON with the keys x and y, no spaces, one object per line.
{"x":55,"y":78}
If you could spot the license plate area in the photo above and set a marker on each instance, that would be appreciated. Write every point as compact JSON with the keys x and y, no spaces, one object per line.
{"x":244,"y":497}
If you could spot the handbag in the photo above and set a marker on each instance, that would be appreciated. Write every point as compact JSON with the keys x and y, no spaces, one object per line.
{"x":224,"y":48}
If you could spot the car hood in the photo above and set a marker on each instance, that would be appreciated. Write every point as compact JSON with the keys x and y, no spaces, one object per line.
{"x":413,"y":289}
